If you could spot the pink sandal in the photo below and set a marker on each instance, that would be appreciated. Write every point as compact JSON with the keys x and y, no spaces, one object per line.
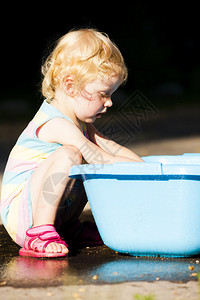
{"x":37,"y":239}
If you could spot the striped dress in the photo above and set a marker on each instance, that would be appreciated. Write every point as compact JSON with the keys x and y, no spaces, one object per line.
{"x":27,"y":154}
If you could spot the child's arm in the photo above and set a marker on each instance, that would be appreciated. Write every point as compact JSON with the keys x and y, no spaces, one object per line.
{"x":64,"y":132}
{"x":109,"y":145}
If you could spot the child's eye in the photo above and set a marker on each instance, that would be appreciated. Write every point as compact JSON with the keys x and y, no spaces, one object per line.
{"x":103,"y":95}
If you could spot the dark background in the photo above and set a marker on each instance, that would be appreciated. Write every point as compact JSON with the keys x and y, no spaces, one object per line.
{"x":159,"y":41}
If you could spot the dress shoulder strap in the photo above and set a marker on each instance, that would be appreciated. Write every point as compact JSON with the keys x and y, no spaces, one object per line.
{"x":85,"y":130}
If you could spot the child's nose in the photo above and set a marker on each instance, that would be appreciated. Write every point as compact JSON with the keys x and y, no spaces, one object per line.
{"x":108,"y":103}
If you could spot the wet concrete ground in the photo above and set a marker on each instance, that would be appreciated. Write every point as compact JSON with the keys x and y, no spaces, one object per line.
{"x":97,"y":265}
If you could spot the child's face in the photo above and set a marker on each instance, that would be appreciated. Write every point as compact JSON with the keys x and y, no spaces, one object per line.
{"x":95,"y":98}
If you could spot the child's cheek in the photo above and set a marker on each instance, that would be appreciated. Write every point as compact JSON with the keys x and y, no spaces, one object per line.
{"x":95,"y":106}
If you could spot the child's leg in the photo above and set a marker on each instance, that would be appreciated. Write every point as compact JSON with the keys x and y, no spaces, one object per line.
{"x":48,"y":183}
{"x":71,"y":205}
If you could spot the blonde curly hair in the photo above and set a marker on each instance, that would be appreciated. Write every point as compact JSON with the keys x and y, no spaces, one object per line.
{"x":83,"y":54}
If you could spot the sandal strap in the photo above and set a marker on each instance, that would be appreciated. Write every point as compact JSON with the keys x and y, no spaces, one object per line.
{"x":40,"y":230}
{"x":37,"y":238}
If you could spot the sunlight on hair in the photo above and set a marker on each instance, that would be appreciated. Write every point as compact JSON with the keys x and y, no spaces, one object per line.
{"x":83,"y":54}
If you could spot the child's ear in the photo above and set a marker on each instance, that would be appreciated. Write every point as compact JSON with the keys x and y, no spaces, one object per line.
{"x":68,"y":85}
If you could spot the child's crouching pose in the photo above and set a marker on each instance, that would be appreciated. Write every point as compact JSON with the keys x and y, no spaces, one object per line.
{"x":38,"y":198}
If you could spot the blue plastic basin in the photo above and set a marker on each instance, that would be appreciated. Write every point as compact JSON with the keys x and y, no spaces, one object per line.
{"x":146,"y":209}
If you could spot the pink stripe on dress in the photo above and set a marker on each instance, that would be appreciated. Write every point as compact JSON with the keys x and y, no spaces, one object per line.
{"x":19,"y":165}
{"x":23,"y":215}
{"x":30,"y":129}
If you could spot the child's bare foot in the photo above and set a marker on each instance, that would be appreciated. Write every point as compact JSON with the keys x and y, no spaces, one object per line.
{"x":56,"y":248}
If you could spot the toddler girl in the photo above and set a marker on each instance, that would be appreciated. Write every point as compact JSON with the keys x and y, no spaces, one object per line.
{"x":38,"y":198}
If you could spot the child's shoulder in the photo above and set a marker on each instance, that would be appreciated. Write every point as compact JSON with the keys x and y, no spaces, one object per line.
{"x":56,"y":127}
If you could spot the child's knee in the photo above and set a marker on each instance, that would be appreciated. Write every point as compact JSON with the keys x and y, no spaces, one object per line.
{"x":69,"y":155}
